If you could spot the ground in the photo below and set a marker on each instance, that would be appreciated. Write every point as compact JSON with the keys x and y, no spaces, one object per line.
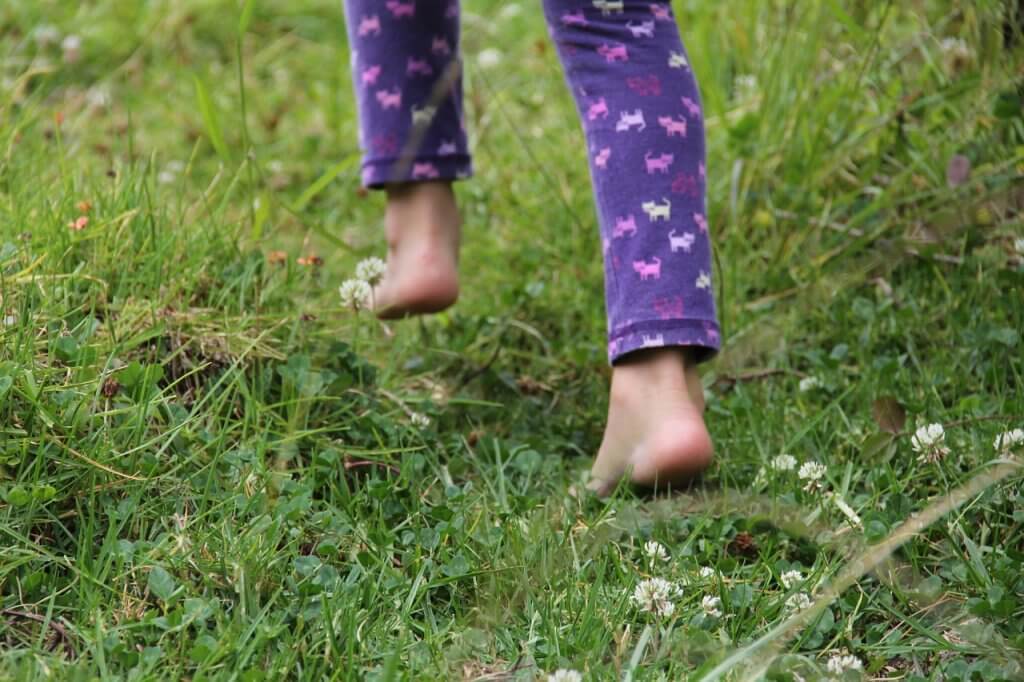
{"x":209,"y":469}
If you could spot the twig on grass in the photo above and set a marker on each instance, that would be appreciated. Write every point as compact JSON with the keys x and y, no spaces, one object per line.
{"x":60,"y":631}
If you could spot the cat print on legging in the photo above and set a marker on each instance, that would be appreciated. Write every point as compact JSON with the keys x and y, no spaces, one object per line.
{"x":640,"y":110}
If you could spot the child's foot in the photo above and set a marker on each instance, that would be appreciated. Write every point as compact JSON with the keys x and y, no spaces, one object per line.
{"x":655,"y":430}
{"x":423,"y":224}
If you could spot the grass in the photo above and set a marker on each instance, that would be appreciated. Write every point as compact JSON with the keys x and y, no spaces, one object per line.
{"x":208,"y":470}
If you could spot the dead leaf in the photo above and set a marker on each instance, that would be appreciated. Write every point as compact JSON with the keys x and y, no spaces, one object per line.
{"x":889,"y":414}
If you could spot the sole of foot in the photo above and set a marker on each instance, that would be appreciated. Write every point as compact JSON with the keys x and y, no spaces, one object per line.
{"x":655,"y":433}
{"x":423,"y":232}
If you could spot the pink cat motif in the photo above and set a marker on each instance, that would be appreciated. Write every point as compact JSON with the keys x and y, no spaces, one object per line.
{"x":368,"y":25}
{"x":644,"y":85}
{"x":385,"y":144}
{"x":613,"y":53}
{"x":417,"y":66}
{"x":683,"y":241}
{"x":401,"y":9}
{"x":702,"y":222}
{"x":645,"y":29}
{"x":601,"y":159}
{"x":692,"y":107}
{"x":672,"y":126}
{"x":447,"y":148}
{"x":648,"y":270}
{"x":390,"y":100}
{"x":439,"y":45}
{"x":597,"y":109}
{"x":370,"y":74}
{"x":576,"y":18}
{"x":425,"y":170}
{"x":685,"y":184}
{"x":669,"y":308}
{"x":660,"y":13}
{"x":624,"y":226}
{"x":658,"y":164}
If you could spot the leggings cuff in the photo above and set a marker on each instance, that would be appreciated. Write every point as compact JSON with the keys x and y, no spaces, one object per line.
{"x":380,"y":172}
{"x":701,"y":336}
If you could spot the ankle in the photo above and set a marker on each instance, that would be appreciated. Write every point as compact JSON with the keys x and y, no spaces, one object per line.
{"x":657,"y":374}
{"x":420,"y":212}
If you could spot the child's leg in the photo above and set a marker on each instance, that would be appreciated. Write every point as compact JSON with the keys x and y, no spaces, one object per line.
{"x":640,"y":109}
{"x":405,"y":71}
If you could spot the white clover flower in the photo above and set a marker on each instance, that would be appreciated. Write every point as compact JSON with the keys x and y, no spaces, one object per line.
{"x":46,"y":34}
{"x":655,"y":596}
{"x":813,"y":473}
{"x":565,"y":675}
{"x":419,"y":419}
{"x":510,"y":10}
{"x":791,"y":578}
{"x":929,"y":442}
{"x":809,"y":384}
{"x":1005,"y":442}
{"x":745,"y":86}
{"x":488,"y":58}
{"x":72,"y":48}
{"x":956,"y":53}
{"x":706,"y":572}
{"x":655,"y":551}
{"x":847,"y":511}
{"x":355,"y":294}
{"x":98,"y":97}
{"x":784,"y":463}
{"x":370,"y":270}
{"x":798,"y":601}
{"x":839,"y":664}
{"x":712,"y":606}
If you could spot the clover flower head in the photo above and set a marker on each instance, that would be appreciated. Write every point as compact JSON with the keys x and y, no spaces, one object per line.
{"x":489,"y":57}
{"x":706,"y":572}
{"x":784,"y":463}
{"x":655,"y":551}
{"x":809,"y":384}
{"x":840,"y":663}
{"x":791,"y":578}
{"x":419,"y":419}
{"x":355,"y":294}
{"x":1005,"y":442}
{"x":798,"y":601}
{"x":929,"y":442}
{"x":655,"y":595}
{"x":956,"y":53}
{"x":370,"y":270}
{"x":712,"y":606}
{"x":565,"y":675}
{"x":813,"y":473}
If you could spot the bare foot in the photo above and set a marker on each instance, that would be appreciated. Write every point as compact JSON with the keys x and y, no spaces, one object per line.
{"x":655,"y":432}
{"x":423,"y":225}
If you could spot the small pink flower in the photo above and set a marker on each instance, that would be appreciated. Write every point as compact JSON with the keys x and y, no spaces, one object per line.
{"x":79,"y":224}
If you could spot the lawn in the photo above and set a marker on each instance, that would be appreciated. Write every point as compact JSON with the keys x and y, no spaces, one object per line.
{"x":211,"y":470}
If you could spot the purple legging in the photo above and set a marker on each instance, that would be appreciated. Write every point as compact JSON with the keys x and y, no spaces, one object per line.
{"x":640,"y":109}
